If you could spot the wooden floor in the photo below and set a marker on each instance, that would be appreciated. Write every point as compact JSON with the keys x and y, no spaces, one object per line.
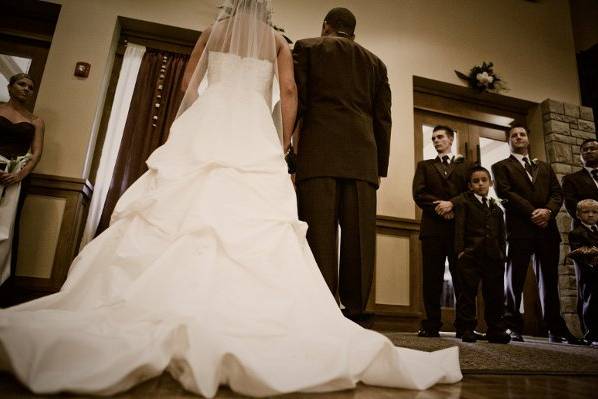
{"x":472,"y":387}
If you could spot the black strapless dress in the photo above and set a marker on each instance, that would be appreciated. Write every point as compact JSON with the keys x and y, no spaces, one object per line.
{"x":15,"y":138}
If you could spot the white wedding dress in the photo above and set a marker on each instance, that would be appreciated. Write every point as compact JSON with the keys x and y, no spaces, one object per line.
{"x":205,"y":272}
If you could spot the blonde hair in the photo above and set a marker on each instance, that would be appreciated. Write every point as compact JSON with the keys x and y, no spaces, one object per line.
{"x":586,"y":203}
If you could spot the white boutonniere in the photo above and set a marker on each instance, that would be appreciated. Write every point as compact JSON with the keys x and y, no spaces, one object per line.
{"x":498,"y":201}
{"x":458,"y":158}
{"x":535,"y":161}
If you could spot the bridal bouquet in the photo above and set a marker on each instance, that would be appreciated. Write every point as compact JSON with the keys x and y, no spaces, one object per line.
{"x":483,"y":78}
{"x":12,"y":166}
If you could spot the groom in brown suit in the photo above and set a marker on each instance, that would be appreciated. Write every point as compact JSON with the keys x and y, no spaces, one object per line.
{"x":344,"y":108}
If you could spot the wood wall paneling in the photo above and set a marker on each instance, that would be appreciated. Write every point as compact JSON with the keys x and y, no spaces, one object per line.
{"x":54,"y":213}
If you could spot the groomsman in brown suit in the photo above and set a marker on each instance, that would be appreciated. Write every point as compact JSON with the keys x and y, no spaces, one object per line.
{"x":533,"y":199}
{"x":578,"y":186}
{"x":436,"y":183}
{"x":582,"y":184}
{"x":343,"y":151}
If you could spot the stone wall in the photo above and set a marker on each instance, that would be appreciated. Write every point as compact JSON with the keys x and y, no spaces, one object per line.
{"x":565,"y":127}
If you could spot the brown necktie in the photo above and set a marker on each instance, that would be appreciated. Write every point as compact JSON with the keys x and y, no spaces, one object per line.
{"x":528,"y":166}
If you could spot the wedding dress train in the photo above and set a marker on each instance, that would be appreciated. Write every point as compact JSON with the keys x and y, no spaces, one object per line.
{"x":205,"y":272}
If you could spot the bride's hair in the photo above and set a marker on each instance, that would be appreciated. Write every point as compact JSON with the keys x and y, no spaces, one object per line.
{"x":262,"y":8}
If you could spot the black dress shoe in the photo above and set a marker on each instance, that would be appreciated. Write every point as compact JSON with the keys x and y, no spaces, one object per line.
{"x":566,"y":339}
{"x":479,"y":336}
{"x":428,"y":333}
{"x":469,"y":336}
{"x":515,"y":336}
{"x":499,"y":338}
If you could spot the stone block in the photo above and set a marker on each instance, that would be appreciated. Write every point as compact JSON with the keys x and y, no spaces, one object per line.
{"x":566,"y":269}
{"x":567,"y":283}
{"x":582,"y":134}
{"x":557,"y":117}
{"x":559,"y":153}
{"x":563,"y":221}
{"x":586,"y":113}
{"x":561,"y":138}
{"x":571,"y":110}
{"x":569,"y":304}
{"x":587,"y":126}
{"x":553,"y":106}
{"x":570,"y":291}
{"x":573,"y":125}
{"x":559,"y":127}
{"x":572,"y":321}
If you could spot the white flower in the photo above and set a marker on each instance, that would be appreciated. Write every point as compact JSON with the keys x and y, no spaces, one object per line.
{"x":484,"y":78}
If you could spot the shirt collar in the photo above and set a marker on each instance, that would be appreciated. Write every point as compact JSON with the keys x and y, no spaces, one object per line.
{"x":519,"y":157}
{"x":589,"y":226}
{"x":589,"y":169}
{"x":480,"y":198}
{"x":450,"y":155}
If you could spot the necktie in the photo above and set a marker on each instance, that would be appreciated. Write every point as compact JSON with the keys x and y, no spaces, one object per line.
{"x":485,"y":201}
{"x":594,"y":229}
{"x":595,"y":174}
{"x":445,"y":160}
{"x":528,"y":166}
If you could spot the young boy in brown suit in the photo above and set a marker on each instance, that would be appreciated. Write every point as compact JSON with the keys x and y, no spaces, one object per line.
{"x":480,"y":242}
{"x":584,"y":246}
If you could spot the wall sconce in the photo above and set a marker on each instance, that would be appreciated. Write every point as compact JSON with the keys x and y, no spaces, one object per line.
{"x":82,"y":69}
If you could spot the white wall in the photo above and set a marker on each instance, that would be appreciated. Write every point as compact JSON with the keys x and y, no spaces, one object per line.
{"x":530,"y":43}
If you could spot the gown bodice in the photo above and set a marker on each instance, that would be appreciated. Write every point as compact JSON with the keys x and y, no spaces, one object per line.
{"x":244,"y":73}
{"x":15,"y":138}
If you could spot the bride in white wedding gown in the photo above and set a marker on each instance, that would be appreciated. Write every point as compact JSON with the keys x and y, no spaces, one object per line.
{"x":205,"y":271}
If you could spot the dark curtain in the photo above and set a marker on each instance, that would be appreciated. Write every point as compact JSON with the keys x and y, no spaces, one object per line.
{"x":154,"y":105}
{"x":587,"y":64}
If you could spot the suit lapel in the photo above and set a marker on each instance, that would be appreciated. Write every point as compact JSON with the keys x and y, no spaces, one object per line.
{"x":517,"y":165}
{"x":451,"y":168}
{"x":589,"y":180}
{"x":535,"y":170}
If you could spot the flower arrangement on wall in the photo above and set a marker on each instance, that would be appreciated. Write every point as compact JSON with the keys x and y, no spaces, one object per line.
{"x":483,"y":78}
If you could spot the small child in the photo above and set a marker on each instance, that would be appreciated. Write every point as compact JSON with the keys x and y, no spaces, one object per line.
{"x":584,"y":246}
{"x":480,"y":247}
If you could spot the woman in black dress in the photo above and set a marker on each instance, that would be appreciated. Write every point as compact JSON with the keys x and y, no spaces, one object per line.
{"x":21,"y":143}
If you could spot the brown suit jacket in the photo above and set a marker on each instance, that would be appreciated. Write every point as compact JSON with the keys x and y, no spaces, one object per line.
{"x":479,"y":229}
{"x":344,"y":103}
{"x":430,"y":184}
{"x":576,"y":187}
{"x":522,"y":196}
